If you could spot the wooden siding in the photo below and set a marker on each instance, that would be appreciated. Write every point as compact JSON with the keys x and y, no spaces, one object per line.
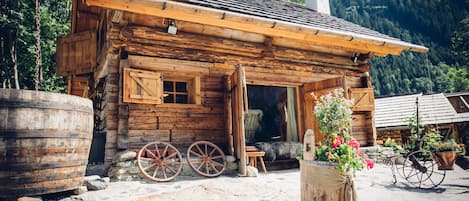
{"x":195,"y":51}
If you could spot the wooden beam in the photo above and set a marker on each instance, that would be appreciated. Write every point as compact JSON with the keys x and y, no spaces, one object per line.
{"x":201,"y":15}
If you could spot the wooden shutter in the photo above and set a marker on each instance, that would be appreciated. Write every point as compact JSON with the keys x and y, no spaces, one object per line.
{"x":78,"y":86}
{"x":76,"y":53}
{"x":319,"y":88}
{"x":363,"y":99}
{"x":142,"y":86}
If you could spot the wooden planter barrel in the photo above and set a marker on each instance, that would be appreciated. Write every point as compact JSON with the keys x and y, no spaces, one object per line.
{"x":321,"y":181}
{"x":45,"y":140}
{"x":445,"y":160}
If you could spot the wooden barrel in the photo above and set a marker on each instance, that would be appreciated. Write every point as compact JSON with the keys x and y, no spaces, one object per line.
{"x":45,"y":140}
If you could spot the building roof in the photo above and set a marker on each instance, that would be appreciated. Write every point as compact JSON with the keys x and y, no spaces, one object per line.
{"x":274,"y":17}
{"x":434,"y":109}
{"x":288,"y":12}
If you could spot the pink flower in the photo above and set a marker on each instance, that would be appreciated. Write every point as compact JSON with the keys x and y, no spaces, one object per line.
{"x":338,"y":141}
{"x":369,"y":163}
{"x":353,"y":143}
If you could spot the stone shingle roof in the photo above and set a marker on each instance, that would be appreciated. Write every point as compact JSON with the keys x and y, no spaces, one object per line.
{"x":287,"y":12}
{"x":434,"y":109}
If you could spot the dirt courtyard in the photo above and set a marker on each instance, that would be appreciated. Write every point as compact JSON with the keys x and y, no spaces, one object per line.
{"x":371,"y":185}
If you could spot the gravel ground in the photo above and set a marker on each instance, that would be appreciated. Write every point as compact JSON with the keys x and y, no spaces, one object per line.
{"x":371,"y":185}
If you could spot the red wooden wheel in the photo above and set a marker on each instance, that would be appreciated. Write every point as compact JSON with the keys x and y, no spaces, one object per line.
{"x":206,"y":159}
{"x":159,"y":161}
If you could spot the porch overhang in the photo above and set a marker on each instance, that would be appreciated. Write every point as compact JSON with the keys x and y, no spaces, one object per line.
{"x":274,"y":28}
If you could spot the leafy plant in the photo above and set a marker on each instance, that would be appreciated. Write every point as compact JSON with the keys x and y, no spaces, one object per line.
{"x":449,"y":145}
{"x":334,"y":117}
{"x":392,"y":143}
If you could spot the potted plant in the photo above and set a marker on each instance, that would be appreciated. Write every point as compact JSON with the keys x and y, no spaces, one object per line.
{"x":330,"y":176}
{"x":445,"y":154}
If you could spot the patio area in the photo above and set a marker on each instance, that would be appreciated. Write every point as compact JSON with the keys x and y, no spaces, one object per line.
{"x":371,"y":185}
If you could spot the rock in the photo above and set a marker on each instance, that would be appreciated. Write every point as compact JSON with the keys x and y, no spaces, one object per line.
{"x":80,"y":190}
{"x":29,"y":199}
{"x":252,"y":171}
{"x":124,"y":156}
{"x":230,"y":159}
{"x":96,"y":184}
{"x":106,"y":179}
{"x":92,"y":177}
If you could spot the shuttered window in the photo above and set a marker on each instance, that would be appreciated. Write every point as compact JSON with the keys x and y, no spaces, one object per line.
{"x":149,"y":87}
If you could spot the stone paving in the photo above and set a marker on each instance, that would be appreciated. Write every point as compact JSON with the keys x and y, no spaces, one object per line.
{"x":371,"y":185}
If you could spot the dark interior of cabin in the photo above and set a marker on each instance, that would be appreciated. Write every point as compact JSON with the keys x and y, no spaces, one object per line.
{"x":265,"y":121}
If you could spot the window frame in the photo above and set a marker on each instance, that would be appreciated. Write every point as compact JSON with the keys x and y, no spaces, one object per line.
{"x":192,"y":85}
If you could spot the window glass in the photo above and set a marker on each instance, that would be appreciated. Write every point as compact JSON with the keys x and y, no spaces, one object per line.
{"x":176,"y":92}
{"x":168,"y":86}
{"x":181,"y":87}
{"x":181,"y":98}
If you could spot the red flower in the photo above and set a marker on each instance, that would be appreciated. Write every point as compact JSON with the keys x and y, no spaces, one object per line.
{"x":338,"y":141}
{"x":353,"y":143}
{"x":369,"y":163}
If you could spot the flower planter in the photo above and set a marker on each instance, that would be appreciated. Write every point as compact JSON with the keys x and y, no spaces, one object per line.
{"x":445,"y":160}
{"x":322,"y":181}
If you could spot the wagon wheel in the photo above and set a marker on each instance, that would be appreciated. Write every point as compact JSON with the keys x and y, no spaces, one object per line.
{"x":206,"y":159}
{"x":421,"y":171}
{"x":159,"y":161}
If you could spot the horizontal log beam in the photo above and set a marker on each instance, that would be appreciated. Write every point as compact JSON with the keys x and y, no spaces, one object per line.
{"x":201,"y":15}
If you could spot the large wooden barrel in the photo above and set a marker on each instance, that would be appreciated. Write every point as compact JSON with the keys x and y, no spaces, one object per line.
{"x":45,"y":140}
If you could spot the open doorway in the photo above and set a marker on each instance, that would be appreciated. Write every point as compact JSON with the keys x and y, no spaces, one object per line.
{"x":271,"y":121}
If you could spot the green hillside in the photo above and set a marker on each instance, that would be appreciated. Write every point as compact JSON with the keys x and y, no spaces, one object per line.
{"x":431,"y":23}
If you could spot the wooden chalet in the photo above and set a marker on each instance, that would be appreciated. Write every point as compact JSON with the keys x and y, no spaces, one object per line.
{"x":182,"y":71}
{"x":435,"y":110}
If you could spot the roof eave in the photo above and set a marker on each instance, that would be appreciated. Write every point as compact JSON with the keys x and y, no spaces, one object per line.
{"x":260,"y":25}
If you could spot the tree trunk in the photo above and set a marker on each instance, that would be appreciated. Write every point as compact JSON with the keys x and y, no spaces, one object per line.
{"x":15,"y":66}
{"x":38,"y":68}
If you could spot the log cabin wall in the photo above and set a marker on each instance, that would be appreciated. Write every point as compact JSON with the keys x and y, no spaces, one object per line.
{"x":211,"y":53}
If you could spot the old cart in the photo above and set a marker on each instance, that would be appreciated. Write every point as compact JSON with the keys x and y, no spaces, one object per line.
{"x":161,"y":161}
{"x":419,"y":167}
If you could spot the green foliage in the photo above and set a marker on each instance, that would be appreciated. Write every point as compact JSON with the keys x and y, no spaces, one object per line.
{"x":333,"y":114}
{"x":391,"y":143}
{"x":449,"y":145}
{"x":18,"y":26}
{"x":429,"y":23}
{"x":334,"y":117}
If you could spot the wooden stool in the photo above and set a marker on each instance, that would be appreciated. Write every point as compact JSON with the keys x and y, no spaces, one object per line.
{"x":253,"y":155}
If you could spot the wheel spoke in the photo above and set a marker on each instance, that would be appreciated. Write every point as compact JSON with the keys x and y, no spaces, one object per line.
{"x":206,"y":168}
{"x":200,"y":166}
{"x":152,"y":165}
{"x":165,"y":149}
{"x":157,"y":150}
{"x":217,"y":164}
{"x":206,"y":150}
{"x":151,"y":153}
{"x":156,"y":170}
{"x":214,"y":168}
{"x":216,"y":157}
{"x":200,"y":150}
{"x":170,"y":156}
{"x":211,"y":153}
{"x":193,"y":152}
{"x":171,"y":169}
{"x":164,"y":172}
{"x":146,"y":159}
